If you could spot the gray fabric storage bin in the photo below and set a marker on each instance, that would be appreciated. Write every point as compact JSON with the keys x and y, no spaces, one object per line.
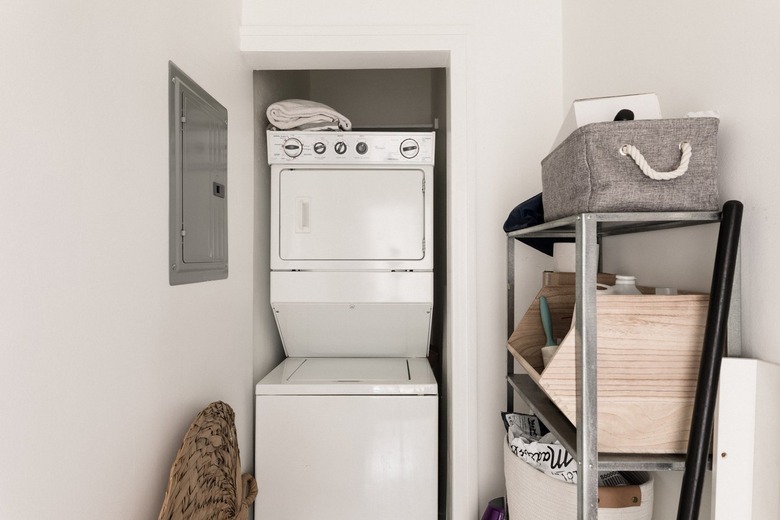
{"x":588,"y":174}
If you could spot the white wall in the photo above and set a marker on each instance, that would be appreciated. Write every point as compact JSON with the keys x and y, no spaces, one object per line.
{"x":516,"y":58}
{"x":104,"y":365}
{"x":697,"y":55}
{"x":355,"y":13}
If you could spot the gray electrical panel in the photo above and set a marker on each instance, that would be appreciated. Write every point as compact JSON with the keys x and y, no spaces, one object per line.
{"x":198,"y":182}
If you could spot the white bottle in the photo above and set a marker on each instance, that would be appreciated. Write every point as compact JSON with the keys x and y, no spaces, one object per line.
{"x":625,"y":285}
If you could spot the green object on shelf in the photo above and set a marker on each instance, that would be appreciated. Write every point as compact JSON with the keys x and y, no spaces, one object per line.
{"x":544,"y":308}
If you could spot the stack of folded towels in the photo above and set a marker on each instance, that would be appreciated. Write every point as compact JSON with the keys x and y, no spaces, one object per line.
{"x":301,"y":114}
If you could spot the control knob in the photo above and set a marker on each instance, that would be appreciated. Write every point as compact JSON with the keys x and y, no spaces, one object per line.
{"x":409,"y":148}
{"x":319,"y":148}
{"x":361,"y":148}
{"x":340,"y":147}
{"x":292,"y":147}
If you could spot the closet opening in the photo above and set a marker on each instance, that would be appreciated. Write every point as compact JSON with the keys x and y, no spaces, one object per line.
{"x":398,"y":99}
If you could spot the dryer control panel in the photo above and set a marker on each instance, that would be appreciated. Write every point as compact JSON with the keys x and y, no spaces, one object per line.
{"x":291,"y":147}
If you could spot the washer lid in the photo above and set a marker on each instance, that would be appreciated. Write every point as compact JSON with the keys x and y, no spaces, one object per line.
{"x":350,"y":376}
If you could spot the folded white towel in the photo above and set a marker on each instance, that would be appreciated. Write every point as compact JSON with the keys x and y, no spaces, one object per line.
{"x":301,"y":114}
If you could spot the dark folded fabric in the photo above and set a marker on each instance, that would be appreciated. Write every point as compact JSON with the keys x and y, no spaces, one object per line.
{"x":526,"y":214}
{"x":531,"y":213}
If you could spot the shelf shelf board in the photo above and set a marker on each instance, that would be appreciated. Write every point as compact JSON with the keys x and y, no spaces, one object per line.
{"x":557,"y":422}
{"x":609,"y":224}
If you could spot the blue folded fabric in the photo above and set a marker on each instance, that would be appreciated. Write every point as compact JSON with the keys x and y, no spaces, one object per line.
{"x":527,"y":214}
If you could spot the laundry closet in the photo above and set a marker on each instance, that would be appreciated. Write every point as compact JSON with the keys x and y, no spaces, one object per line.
{"x":351,"y":421}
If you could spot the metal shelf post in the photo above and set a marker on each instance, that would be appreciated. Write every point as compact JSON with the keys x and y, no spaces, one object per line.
{"x":510,"y":316}
{"x":586,"y":365}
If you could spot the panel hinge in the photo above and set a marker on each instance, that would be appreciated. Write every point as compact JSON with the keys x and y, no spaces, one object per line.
{"x":183,"y":232}
{"x":423,"y":246}
{"x":423,"y":185}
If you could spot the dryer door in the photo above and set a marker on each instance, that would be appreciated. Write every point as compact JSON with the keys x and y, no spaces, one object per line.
{"x":331,"y":218}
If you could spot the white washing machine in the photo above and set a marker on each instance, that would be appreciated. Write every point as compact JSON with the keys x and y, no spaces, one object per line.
{"x":347,"y":425}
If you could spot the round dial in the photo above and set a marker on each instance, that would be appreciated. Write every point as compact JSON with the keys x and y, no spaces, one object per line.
{"x":409,"y":148}
{"x":340,"y":147}
{"x":292,"y":147}
{"x":319,"y":148}
{"x":361,"y":148}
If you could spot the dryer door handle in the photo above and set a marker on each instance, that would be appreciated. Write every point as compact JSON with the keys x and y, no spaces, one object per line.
{"x":302,"y":205}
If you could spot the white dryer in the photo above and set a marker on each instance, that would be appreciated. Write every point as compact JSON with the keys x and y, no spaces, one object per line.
{"x":347,"y":425}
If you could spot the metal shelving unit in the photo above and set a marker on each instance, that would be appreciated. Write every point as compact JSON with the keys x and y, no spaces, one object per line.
{"x":588,"y":229}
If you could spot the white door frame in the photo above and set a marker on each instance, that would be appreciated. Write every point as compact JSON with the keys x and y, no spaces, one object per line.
{"x":307,"y":48}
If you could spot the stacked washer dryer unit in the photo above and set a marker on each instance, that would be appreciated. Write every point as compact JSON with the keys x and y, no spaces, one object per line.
{"x":346,"y":426}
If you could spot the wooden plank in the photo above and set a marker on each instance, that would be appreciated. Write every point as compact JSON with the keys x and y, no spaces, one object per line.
{"x":648,"y":357}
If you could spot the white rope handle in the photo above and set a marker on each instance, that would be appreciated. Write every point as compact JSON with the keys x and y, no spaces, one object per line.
{"x":685,"y":158}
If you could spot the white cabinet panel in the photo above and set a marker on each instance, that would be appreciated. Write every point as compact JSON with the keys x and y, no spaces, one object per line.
{"x":349,"y":214}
